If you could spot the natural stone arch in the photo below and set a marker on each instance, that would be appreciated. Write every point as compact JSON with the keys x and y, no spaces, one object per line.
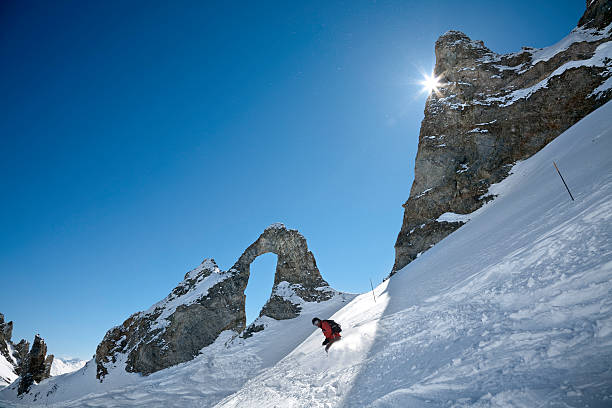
{"x":296,"y":271}
{"x":209,"y":301}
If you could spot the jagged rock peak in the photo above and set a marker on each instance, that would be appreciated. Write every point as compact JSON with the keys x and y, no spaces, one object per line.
{"x":209,"y":301}
{"x":458,"y":39}
{"x":492,"y":110}
{"x":598,"y":14}
{"x":6,"y":330}
{"x":15,"y":355}
{"x":453,"y":48}
{"x":37,"y":366}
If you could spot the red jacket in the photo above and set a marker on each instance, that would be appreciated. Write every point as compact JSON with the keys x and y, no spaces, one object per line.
{"x":327,"y":331}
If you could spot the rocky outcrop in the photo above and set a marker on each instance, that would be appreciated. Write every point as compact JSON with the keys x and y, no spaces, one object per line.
{"x":6,"y":332}
{"x":32,"y":366}
{"x":37,"y":365}
{"x":20,"y":352}
{"x":15,"y":355}
{"x":492,"y":110}
{"x":297,"y":277}
{"x":209,"y":301}
{"x":597,"y":14}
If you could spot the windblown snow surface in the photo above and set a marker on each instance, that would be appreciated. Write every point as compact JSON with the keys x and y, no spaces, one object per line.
{"x":511,"y":310}
{"x":514,"y":309}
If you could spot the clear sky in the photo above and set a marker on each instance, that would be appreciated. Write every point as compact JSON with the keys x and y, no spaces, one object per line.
{"x":139,"y":137}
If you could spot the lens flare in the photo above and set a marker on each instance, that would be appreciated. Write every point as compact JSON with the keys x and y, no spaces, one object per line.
{"x":431,"y":83}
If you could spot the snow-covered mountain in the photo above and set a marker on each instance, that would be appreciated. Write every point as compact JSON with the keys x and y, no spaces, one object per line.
{"x":218,"y":371}
{"x":493,"y":110}
{"x":210,"y":301}
{"x":64,"y":366}
{"x":513,"y":309}
{"x":197,"y":334}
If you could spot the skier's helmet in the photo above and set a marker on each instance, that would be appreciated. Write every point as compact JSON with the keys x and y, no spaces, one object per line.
{"x":315,"y":320}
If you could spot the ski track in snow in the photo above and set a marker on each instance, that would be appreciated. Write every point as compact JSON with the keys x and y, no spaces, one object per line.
{"x":513,"y":309}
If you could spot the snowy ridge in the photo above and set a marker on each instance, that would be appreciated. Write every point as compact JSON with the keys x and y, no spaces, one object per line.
{"x":495,"y":64}
{"x":62,"y":366}
{"x":513,"y":309}
{"x":578,"y":34}
{"x":194,"y":287}
{"x":601,"y":58}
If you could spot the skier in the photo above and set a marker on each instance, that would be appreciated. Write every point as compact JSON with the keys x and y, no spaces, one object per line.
{"x":331,"y":331}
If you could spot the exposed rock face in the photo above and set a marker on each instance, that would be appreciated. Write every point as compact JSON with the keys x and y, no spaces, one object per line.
{"x":296,"y":272}
{"x":597,"y":14}
{"x":209,"y":301}
{"x":16,"y":355}
{"x":6,"y":332}
{"x":21,"y":355}
{"x":37,"y":365}
{"x":493,"y":110}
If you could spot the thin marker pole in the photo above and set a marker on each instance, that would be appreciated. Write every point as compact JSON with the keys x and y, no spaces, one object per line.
{"x":372,"y":286}
{"x":563,"y":180}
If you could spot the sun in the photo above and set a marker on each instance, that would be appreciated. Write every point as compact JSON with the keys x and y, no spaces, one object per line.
{"x":431,"y":83}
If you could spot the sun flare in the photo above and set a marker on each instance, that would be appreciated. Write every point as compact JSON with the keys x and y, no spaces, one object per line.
{"x":431,"y":83}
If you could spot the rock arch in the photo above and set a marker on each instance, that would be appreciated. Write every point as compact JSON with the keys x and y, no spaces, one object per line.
{"x":209,"y":301}
{"x":296,"y":271}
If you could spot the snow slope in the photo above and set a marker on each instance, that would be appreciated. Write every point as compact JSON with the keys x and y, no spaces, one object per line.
{"x":7,"y":372}
{"x":7,"y":368}
{"x":513,"y":309}
{"x":220,"y":370}
{"x":64,"y":366}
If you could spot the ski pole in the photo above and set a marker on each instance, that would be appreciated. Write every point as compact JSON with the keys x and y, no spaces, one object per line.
{"x":563,"y":180}
{"x":372,"y":286}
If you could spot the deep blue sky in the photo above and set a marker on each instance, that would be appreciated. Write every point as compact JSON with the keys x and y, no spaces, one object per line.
{"x":137,"y":138}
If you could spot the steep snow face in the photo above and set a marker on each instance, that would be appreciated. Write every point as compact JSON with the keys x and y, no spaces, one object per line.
{"x":513,"y":309}
{"x":64,"y":366}
{"x":194,"y":287}
{"x":7,"y":372}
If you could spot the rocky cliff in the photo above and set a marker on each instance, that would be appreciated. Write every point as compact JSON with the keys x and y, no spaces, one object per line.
{"x":8,"y":357}
{"x":37,"y":365}
{"x":32,"y":366}
{"x":209,"y":301}
{"x":492,"y":110}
